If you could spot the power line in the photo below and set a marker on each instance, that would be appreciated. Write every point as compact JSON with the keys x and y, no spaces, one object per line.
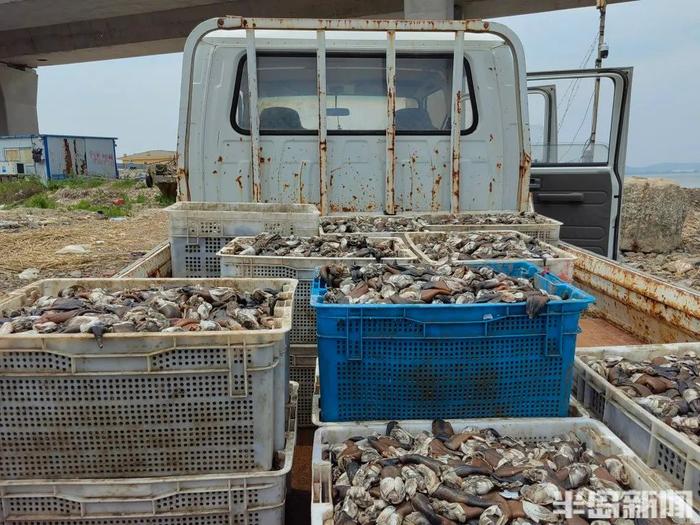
{"x":575,"y":84}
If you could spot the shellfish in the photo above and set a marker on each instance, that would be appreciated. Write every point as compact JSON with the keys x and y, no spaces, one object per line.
{"x":420,"y":484}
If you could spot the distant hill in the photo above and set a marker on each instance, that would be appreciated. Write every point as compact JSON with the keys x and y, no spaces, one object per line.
{"x":665,"y":167}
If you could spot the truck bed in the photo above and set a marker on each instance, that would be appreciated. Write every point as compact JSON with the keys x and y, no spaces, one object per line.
{"x":631,"y":308}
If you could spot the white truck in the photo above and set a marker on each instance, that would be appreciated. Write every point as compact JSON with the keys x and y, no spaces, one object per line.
{"x":387,"y":143}
{"x":394,"y":116}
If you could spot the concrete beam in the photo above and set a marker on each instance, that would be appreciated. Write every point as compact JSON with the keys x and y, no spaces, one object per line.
{"x":47,"y":32}
{"x":429,"y":9}
{"x":18,"y":91}
{"x":46,"y":45}
{"x":498,"y":8}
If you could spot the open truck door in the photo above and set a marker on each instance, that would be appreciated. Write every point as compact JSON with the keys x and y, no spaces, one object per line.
{"x":578,"y":154}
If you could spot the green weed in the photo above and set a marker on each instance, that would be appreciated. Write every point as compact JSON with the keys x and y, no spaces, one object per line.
{"x":40,"y":200}
{"x":164,"y":200}
{"x":19,"y":190}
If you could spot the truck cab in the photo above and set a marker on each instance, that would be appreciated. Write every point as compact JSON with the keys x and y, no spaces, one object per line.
{"x":391,"y":117}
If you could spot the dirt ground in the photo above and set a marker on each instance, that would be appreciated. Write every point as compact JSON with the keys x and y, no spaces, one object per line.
{"x":681,"y":266}
{"x":30,"y":238}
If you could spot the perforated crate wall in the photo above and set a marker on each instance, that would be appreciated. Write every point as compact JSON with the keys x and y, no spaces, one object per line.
{"x":196,"y":256}
{"x":493,"y":376}
{"x":245,"y":498}
{"x":177,"y":411}
{"x":302,"y":369}
{"x":196,"y":508}
{"x":303,"y":315}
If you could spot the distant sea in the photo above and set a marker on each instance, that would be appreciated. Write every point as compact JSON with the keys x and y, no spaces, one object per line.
{"x":687,"y":180}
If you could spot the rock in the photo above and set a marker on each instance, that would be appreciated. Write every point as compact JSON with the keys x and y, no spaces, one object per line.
{"x":680,"y":266}
{"x":77,"y":274}
{"x":117,"y":219}
{"x":9,"y":225}
{"x":30,"y":274}
{"x":653,"y":212}
{"x":72,"y":249}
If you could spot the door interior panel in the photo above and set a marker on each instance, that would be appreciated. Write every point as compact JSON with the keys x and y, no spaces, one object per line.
{"x":584,"y":212}
{"x":578,"y":160}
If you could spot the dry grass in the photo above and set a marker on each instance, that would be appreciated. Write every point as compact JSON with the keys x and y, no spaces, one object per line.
{"x":111,"y":244}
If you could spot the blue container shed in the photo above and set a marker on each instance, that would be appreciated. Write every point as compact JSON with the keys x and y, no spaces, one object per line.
{"x":56,"y":157}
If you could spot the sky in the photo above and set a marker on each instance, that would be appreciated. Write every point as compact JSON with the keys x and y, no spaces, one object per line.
{"x":137,"y":99}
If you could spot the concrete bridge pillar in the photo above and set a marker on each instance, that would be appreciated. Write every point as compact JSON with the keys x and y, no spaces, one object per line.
{"x":429,"y":9}
{"x":18,"y":92}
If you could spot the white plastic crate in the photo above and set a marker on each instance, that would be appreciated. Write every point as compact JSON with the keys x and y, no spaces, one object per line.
{"x":304,"y":270}
{"x":233,"y":219}
{"x":562,"y":266}
{"x":547,"y":230}
{"x":591,"y":432}
{"x":302,"y":370}
{"x":245,"y":498}
{"x":659,"y":445}
{"x":146,"y":404}
{"x":341,"y":216}
{"x":198,"y":230}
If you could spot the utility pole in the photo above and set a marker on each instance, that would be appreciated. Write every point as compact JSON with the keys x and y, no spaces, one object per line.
{"x":602,"y":53}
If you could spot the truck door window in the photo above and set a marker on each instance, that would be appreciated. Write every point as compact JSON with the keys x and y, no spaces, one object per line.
{"x":572,"y":142}
{"x":356,"y":97}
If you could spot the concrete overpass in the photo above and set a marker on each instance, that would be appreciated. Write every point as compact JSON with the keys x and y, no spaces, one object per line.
{"x":49,"y":32}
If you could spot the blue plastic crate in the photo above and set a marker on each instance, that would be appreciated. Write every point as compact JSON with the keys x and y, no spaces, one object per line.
{"x":380,"y":362}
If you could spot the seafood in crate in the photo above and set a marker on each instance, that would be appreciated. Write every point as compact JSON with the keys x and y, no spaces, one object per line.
{"x":483,"y":247}
{"x":646,"y":394}
{"x":168,"y":309}
{"x":531,"y":223}
{"x":372,"y":224}
{"x":379,"y":283}
{"x":331,"y":246}
{"x":667,"y":386}
{"x":100,"y":402}
{"x":480,"y":471}
{"x":301,"y":260}
{"x":419,"y":354}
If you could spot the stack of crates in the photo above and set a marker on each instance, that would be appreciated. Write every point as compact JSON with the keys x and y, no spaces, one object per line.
{"x":151,"y":428}
{"x":304,"y":270}
{"x":198,"y":230}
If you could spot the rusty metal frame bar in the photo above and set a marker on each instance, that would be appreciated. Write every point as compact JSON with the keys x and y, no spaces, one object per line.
{"x":653,"y":310}
{"x":252,"y":63}
{"x":320,"y":25}
{"x":456,"y":116}
{"x":322,"y":120}
{"x":390,"y":204}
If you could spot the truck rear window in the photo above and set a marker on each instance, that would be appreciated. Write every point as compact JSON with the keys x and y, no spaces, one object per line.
{"x":356,"y":96}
